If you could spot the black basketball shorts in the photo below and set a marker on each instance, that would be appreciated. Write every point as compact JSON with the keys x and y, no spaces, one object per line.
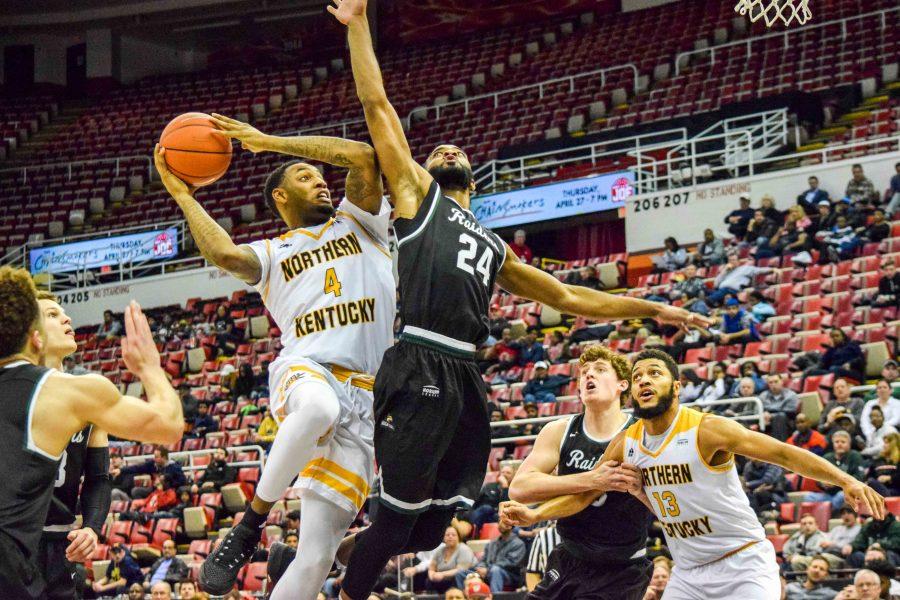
{"x":569,"y":578}
{"x":19,"y":577}
{"x":432,"y":431}
{"x":59,"y":573}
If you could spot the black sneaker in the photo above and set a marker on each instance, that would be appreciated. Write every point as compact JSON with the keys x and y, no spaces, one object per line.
{"x":220,"y":569}
{"x":280,"y":557}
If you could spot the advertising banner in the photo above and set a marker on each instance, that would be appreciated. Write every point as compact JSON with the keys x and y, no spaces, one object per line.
{"x":108,"y":251}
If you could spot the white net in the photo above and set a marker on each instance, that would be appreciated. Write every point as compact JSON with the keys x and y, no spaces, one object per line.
{"x":774,"y":11}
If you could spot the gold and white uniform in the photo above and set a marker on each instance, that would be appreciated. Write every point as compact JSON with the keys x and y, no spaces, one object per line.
{"x":330,"y":289}
{"x":720,"y":548}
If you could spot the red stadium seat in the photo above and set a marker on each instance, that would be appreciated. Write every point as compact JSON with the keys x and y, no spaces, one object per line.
{"x":778,"y":541}
{"x":253,"y":577}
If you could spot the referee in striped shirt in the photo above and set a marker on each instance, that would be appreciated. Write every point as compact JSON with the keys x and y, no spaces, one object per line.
{"x":544,"y":542}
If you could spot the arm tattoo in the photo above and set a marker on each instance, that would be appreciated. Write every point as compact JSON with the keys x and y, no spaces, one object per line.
{"x":331,"y":150}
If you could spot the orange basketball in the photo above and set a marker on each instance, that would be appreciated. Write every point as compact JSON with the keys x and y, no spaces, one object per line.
{"x":194,"y":153}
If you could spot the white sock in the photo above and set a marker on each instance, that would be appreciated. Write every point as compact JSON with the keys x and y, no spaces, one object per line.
{"x":322,"y":527}
{"x":313,"y":409}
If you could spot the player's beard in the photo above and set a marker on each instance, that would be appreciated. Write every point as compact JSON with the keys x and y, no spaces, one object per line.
{"x":457,"y":177}
{"x":662,"y":405}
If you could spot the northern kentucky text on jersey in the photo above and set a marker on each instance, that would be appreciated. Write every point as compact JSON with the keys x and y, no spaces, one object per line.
{"x":329,"y":251}
{"x":667,"y":474}
{"x":337,"y":315}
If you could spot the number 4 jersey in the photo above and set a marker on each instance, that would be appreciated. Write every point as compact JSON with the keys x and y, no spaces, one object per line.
{"x":703,"y":509}
{"x":330,"y":289}
{"x":447,"y":263}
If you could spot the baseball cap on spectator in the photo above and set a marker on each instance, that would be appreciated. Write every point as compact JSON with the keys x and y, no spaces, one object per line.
{"x":745,"y":197}
{"x":732,"y":302}
{"x":845,"y":200}
{"x":890,"y":363}
{"x":478,"y":589}
{"x":824,"y":203}
{"x":848,"y":416}
{"x":541,"y":364}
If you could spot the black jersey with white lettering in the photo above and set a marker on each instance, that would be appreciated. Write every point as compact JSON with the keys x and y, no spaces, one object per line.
{"x":27,"y":473}
{"x":447,"y":263}
{"x":64,"y":504}
{"x":612,"y":529}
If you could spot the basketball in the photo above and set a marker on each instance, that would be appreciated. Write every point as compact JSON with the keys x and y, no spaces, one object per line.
{"x":194,"y":153}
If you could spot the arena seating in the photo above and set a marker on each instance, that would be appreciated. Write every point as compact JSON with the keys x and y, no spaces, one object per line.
{"x":21,"y":118}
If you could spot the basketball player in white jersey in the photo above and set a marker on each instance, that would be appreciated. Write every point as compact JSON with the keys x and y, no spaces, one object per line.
{"x":82,"y":480}
{"x":690,"y":483}
{"x":328,"y":283}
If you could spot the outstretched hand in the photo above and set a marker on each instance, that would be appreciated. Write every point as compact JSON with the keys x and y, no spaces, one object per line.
{"x":174,"y":186}
{"x":138,"y":347}
{"x":864,"y":499}
{"x":347,"y":10}
{"x":673,"y":315}
{"x":250,"y":137}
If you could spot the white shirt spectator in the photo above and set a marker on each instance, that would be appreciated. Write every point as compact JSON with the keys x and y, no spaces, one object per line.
{"x":739,"y":277}
{"x":841,"y":535}
{"x":875,"y":440}
{"x":891,"y":412}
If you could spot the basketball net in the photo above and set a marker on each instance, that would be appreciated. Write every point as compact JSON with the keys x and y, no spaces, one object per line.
{"x":773,"y":11}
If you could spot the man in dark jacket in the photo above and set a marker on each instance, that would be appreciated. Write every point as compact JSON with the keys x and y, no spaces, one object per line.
{"x":811,"y":197}
{"x":157,"y":467}
{"x":738,"y":219}
{"x":760,"y":229}
{"x":203,"y":422}
{"x":167,"y":568}
{"x":847,"y":460}
{"x":885,"y":533}
{"x":888,"y":286}
{"x":217,"y":473}
{"x":543,"y":387}
{"x":880,"y":229}
{"x":502,"y":564}
{"x":492,"y":494}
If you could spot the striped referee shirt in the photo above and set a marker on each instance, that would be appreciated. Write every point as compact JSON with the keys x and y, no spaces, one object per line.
{"x":544,"y":542}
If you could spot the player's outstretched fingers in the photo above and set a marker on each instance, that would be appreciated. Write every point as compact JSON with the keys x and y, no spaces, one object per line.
{"x":876,"y":502}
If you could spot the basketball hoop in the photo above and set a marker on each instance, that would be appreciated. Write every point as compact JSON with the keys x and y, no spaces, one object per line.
{"x":786,"y":11}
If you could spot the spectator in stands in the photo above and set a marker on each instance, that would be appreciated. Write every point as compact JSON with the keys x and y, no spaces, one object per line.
{"x":268,"y":428}
{"x":813,"y":588}
{"x":478,"y":590}
{"x":684,"y":340}
{"x":841,"y":536}
{"x":738,"y":325}
{"x":844,"y":358}
{"x":156,"y":505}
{"x":732,"y":278}
{"x":885,"y":533}
{"x":767,"y":205}
{"x":879,"y":229}
{"x":136,"y":592}
{"x":111,"y":327}
{"x":73,"y":367}
{"x":504,"y":431}
{"x":122,"y":483}
{"x":847,"y":460}
{"x":893,"y":192}
{"x":810,"y":199}
{"x":506,"y":350}
{"x":497,"y":322}
{"x":204,"y":422}
{"x":543,"y":387}
{"x":531,"y":351}
{"x":876,"y":429}
{"x":717,"y":389}
{"x":860,"y":188}
{"x":788,"y":239}
{"x":587,"y":277}
{"x":738,"y":219}
{"x":765,"y":485}
{"x":883,"y":474}
{"x":798,"y":216}
{"x":759,"y":306}
{"x":531,"y":412}
{"x":742,"y":388}
{"x":658,"y":581}
{"x":226,"y":336}
{"x":692,"y":386}
{"x":805,"y":544}
{"x":503,"y":561}
{"x":189,"y":404}
{"x":167,"y":567}
{"x":492,"y":494}
{"x":843,"y":209}
{"x":689,"y":287}
{"x":217,"y":473}
{"x":454,"y":593}
{"x":841,"y":401}
{"x":825,"y":217}
{"x":885,"y":571}
{"x":779,"y":405}
{"x":448,"y":559}
{"x":840,"y":242}
{"x":558,"y":350}
{"x":245,"y":382}
{"x":806,"y":437}
{"x":711,"y":250}
{"x":121,"y":573}
{"x":188,"y":591}
{"x":156,"y":467}
{"x":760,"y":229}
{"x":888,"y":286}
{"x":161,"y":591}
{"x":674,"y":257}
{"x":519,"y":247}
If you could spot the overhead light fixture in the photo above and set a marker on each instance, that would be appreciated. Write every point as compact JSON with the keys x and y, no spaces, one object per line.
{"x":213,"y":25}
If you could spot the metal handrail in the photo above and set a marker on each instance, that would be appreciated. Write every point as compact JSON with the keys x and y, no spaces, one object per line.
{"x":711,"y":50}
{"x":539,"y":86}
{"x":24,"y":169}
{"x":191,"y":454}
{"x":756,"y":416}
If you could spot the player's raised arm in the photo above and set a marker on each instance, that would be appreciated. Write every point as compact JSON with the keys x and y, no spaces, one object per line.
{"x":717,"y":434}
{"x":526,"y":281}
{"x":363,"y":178}
{"x":96,"y":400}
{"x":214,"y":242}
{"x":407,"y":180}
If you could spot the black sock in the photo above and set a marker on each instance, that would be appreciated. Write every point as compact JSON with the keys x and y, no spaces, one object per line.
{"x":253,"y":519}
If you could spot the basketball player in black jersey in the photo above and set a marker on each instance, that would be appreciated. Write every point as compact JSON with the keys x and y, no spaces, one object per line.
{"x":603,"y":551}
{"x":87,"y":456}
{"x":43,"y":409}
{"x":432,"y":433}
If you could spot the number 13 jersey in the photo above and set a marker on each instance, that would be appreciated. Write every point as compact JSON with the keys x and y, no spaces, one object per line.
{"x":703,"y":509}
{"x":330,"y":289}
{"x":447,"y":263}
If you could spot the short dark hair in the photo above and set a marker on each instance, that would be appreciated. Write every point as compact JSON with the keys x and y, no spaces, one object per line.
{"x":822,"y":558}
{"x":273,"y":181}
{"x":661,"y":356}
{"x":19,"y":312}
{"x":878,"y":408}
{"x":163,"y":451}
{"x":856,"y":166}
{"x":882,"y":568}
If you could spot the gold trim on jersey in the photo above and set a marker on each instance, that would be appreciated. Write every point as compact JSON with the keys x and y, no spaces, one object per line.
{"x":345,"y":482}
{"x":381,"y":248}
{"x":363,"y":381}
{"x":265,"y":292}
{"x":724,"y":467}
{"x":683,"y":422}
{"x":306,"y":232}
